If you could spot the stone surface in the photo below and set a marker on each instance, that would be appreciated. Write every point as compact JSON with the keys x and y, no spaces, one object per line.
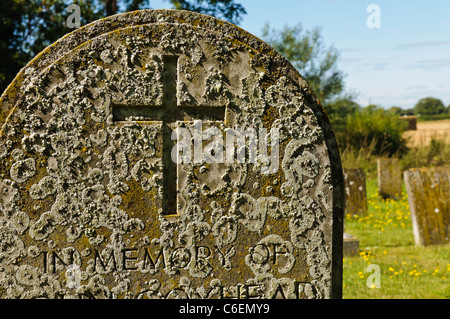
{"x":93,"y":204}
{"x":351,"y":245}
{"x":355,"y":191}
{"x":428,"y":195}
{"x":389,"y":178}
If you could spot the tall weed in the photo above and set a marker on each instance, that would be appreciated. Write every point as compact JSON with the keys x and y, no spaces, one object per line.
{"x":436,"y":153}
{"x":362,"y":158}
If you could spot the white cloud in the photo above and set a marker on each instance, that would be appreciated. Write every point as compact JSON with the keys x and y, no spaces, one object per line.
{"x":431,"y":64}
{"x":423,"y":44}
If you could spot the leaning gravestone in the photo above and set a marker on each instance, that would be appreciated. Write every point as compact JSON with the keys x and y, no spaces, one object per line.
{"x":355,"y":191}
{"x":428,"y":195}
{"x":167,"y":154}
{"x":389,"y":178}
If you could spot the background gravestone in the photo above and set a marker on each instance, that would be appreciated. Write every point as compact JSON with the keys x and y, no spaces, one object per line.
{"x":428,"y":195}
{"x":351,"y":245}
{"x":389,"y":178}
{"x":92,"y":206}
{"x":355,"y":191}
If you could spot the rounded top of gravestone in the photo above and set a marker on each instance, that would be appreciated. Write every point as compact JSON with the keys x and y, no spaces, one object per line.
{"x":163,"y":154}
{"x":80,"y":36}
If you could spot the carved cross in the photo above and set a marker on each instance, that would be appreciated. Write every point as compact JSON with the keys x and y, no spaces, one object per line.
{"x":168,"y":113}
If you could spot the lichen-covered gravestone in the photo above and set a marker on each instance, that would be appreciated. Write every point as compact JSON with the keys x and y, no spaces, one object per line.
{"x":351,"y":245}
{"x":355,"y":191}
{"x":167,"y":154}
{"x":428,"y":195}
{"x":389,"y":178}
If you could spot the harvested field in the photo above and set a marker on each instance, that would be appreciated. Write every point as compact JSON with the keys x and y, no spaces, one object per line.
{"x":428,"y":130}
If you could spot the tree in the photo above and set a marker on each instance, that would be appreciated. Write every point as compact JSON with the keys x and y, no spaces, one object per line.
{"x":11,"y":59}
{"x":28,"y":26}
{"x":307,"y":53}
{"x":338,"y":110}
{"x":396,"y":110}
{"x":376,"y":130}
{"x":408,"y":112}
{"x":224,"y":9}
{"x":429,"y":106}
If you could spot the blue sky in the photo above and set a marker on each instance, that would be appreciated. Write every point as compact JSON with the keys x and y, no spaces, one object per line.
{"x":408,"y":58}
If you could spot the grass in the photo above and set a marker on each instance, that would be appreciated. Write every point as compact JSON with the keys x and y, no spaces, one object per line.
{"x":386,"y":240}
{"x":385,"y":234}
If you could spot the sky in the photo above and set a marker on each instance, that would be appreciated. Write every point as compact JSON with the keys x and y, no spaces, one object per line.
{"x":391,"y":59}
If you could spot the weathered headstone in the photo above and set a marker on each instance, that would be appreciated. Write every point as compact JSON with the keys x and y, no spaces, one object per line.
{"x":351,"y":245}
{"x":167,"y":154}
{"x":428,"y":196}
{"x":389,"y":178}
{"x":355,"y":191}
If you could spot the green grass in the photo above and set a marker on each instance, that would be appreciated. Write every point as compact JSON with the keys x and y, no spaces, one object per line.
{"x":386,"y":239}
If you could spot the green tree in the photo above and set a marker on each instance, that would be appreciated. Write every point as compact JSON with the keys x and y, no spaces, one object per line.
{"x":396,"y":110}
{"x":224,"y":9}
{"x":28,"y":26}
{"x":408,"y":112}
{"x":307,"y":53}
{"x":11,"y":58}
{"x":429,"y":106}
{"x":376,"y":130}
{"x":338,"y":110}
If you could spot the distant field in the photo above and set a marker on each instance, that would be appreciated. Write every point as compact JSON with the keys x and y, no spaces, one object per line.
{"x":427,"y":130}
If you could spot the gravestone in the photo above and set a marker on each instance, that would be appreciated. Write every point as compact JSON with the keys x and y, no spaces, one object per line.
{"x":389,"y":178}
{"x":351,"y":245}
{"x":167,"y":154}
{"x":428,"y":196}
{"x":355,"y":191}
